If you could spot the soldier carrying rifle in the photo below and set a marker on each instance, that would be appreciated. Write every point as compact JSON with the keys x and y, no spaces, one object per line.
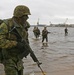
{"x":14,"y":43}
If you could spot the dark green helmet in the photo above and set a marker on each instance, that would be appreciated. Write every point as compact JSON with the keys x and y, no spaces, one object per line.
{"x":21,"y":10}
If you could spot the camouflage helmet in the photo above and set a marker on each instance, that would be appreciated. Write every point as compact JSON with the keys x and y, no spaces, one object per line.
{"x":21,"y":10}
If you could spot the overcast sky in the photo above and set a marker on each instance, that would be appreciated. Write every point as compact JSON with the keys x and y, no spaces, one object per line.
{"x":54,"y":11}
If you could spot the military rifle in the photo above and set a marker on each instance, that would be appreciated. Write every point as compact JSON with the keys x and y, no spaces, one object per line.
{"x":28,"y":49}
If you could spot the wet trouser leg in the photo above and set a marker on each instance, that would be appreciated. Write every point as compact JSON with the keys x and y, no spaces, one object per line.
{"x":11,"y":68}
{"x":42,"y":39}
{"x":46,"y":39}
{"x":20,"y":72}
{"x":10,"y":71}
{"x":35,"y":35}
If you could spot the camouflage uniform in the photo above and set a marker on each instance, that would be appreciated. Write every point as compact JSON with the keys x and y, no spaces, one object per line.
{"x":66,"y":31}
{"x":1,"y":48}
{"x":1,"y":21}
{"x":36,"y":32}
{"x":26,"y":27}
{"x":44,"y":34}
{"x":8,"y":43}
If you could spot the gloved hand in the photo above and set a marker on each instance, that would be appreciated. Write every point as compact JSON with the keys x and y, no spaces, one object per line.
{"x":23,"y":49}
{"x":20,"y":45}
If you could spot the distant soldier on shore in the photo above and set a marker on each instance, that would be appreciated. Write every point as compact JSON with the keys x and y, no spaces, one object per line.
{"x":66,"y":31}
{"x":36,"y":32}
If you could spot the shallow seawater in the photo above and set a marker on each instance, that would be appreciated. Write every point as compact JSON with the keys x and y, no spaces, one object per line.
{"x":58,"y":56}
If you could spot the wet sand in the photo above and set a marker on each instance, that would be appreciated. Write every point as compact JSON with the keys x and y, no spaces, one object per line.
{"x":57,"y":59}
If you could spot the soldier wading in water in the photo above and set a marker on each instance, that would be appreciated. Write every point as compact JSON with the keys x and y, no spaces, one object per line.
{"x":45,"y":36}
{"x":36,"y":32}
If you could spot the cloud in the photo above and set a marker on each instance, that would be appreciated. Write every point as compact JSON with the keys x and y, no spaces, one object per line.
{"x":55,"y":11}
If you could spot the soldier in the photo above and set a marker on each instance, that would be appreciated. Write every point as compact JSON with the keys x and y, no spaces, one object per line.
{"x":0,"y":48}
{"x":36,"y":32}
{"x":66,"y":31}
{"x":10,"y":43}
{"x":1,"y":21}
{"x":45,"y":36}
